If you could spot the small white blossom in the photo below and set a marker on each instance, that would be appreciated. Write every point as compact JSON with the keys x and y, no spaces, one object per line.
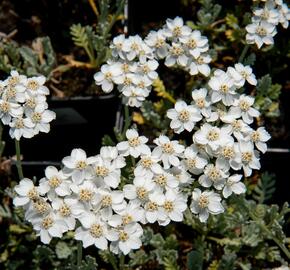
{"x":233,"y":185}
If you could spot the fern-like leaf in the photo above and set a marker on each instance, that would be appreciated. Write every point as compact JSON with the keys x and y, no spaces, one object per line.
{"x":79,"y":35}
{"x":265,"y":188}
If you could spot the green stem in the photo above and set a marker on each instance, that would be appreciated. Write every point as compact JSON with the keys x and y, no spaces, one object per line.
{"x":122,"y":262}
{"x":18,"y":160}
{"x":2,"y":144}
{"x":244,"y":52}
{"x":127,"y":121}
{"x":112,"y":261}
{"x":90,"y":55}
{"x":79,"y":254}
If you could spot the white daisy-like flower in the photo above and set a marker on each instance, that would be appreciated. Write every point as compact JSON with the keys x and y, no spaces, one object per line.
{"x":205,"y":203}
{"x":140,"y":189}
{"x":260,"y":32}
{"x":85,"y":193}
{"x":117,"y":46}
{"x":168,"y":151}
{"x":26,"y":193}
{"x":32,"y":101}
{"x":200,"y":65}
{"x":128,"y":239}
{"x":233,"y":185}
{"x":174,"y":204}
{"x":192,"y":161}
{"x":181,"y":175}
{"x":183,"y":117}
{"x":213,"y":175}
{"x":165,"y":180}
{"x":157,"y":41}
{"x":54,"y":182}
{"x":175,"y":28}
{"x":284,"y":15}
{"x":41,"y":117}
{"x":196,"y":43}
{"x":242,"y":107}
{"x":223,"y":88}
{"x":246,"y":74}
{"x":106,"y":77}
{"x":210,"y":136}
{"x":94,"y":231}
{"x":135,"y":146}
{"x":152,"y":208}
{"x":248,"y":158}
{"x":202,"y":101}
{"x":78,"y":165}
{"x":15,"y":78}
{"x":259,"y":137}
{"x":48,"y":227}
{"x":134,"y":96}
{"x":148,"y":165}
{"x":238,"y":128}
{"x":268,"y":13}
{"x":176,"y":55}
{"x":132,"y":212}
{"x":227,"y":154}
{"x":14,"y":93}
{"x":134,"y":47}
{"x":35,"y":86}
{"x":148,"y":69}
{"x":21,"y":127}
{"x":64,"y":211}
{"x":9,"y":110}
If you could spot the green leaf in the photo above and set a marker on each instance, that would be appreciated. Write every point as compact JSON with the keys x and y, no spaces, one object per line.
{"x":250,"y":60}
{"x":29,"y":56}
{"x":264,"y":188}
{"x":62,"y":250}
{"x":195,"y":260}
{"x":79,"y":35}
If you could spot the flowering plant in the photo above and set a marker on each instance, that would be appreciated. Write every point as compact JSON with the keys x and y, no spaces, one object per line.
{"x":191,"y":174}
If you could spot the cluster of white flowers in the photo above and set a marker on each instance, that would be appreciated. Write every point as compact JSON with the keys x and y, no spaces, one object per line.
{"x":265,"y":20}
{"x":87,"y":189}
{"x":23,"y":105}
{"x":223,"y":142}
{"x":134,"y":60}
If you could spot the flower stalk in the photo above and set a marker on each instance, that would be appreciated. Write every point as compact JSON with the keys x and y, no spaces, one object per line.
{"x":18,"y":159}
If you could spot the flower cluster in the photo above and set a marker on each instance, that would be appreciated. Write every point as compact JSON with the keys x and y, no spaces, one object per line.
{"x":23,"y":105}
{"x":223,"y":143}
{"x":265,"y":20}
{"x":134,"y":60}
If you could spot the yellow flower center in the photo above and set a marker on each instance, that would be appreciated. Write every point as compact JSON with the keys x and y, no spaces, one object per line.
{"x":203,"y":201}
{"x":36,"y":117}
{"x":134,"y":142}
{"x":81,"y":165}
{"x":168,"y":206}
{"x":32,"y":85}
{"x":106,"y":201}
{"x":261,"y":31}
{"x":32,"y":194}
{"x":247,"y":157}
{"x":255,"y":136}
{"x":47,"y":222}
{"x":214,"y":174}
{"x":41,"y":206}
{"x":177,"y":31}
{"x":151,"y":206}
{"x":141,"y":193}
{"x":191,"y":43}
{"x":108,"y":76}
{"x":54,"y":182}
{"x":176,"y":50}
{"x":101,"y":171}
{"x":127,"y":219}
{"x":85,"y":195}
{"x":5,"y":107}
{"x":65,"y":210}
{"x":213,"y":135}
{"x":244,"y":105}
{"x":200,"y":103}
{"x":96,"y":230}
{"x":228,"y":152}
{"x":184,"y":116}
{"x":167,"y":148}
{"x":161,"y":180}
{"x":191,"y":162}
{"x":159,"y":43}
{"x":123,"y":236}
{"x":146,"y":163}
{"x":19,"y":123}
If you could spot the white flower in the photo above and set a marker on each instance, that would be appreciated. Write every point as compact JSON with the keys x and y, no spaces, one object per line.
{"x":248,"y":158}
{"x":181,"y":175}
{"x":200,"y":65}
{"x":41,"y":118}
{"x":26,"y":192}
{"x":183,"y":117}
{"x":176,"y":55}
{"x":85,"y":193}
{"x":193,"y":161}
{"x":64,"y":212}
{"x":134,"y":96}
{"x":128,"y":239}
{"x":94,"y":231}
{"x":148,"y":165}
{"x":223,"y":88}
{"x":284,"y":15}
{"x":173,"y":206}
{"x":260,"y":32}
{"x":15,"y":78}
{"x":48,"y":227}
{"x":152,"y":208}
{"x":35,"y":86}
{"x":21,"y":127}
{"x":106,"y":77}
{"x":246,"y":74}
{"x":78,"y":165}
{"x":259,"y":137}
{"x":168,"y":151}
{"x":148,"y":68}
{"x":54,"y":182}
{"x":195,"y":43}
{"x":132,"y":212}
{"x":238,"y":128}
{"x":117,"y":46}
{"x":165,"y":180}
{"x":268,"y":13}
{"x":175,"y":28}
{"x":140,"y":189}
{"x":205,"y":203}
{"x":213,"y":175}
{"x":202,"y":101}
{"x":242,"y":107}
{"x":9,"y":110}
{"x":227,"y":154}
{"x":157,"y":40}
{"x":14,"y":93}
{"x":135,"y":146}
{"x":233,"y":185}
{"x":211,"y":136}
{"x":32,"y":101}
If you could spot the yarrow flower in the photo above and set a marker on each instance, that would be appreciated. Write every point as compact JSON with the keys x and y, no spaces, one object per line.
{"x":265,"y":21}
{"x":132,"y":67}
{"x":23,"y":105}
